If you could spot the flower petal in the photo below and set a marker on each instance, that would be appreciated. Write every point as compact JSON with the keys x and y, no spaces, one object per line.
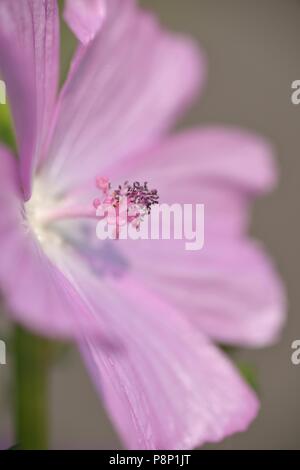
{"x":166,"y":387}
{"x":29,"y":65}
{"x":85,"y":17}
{"x":229,"y":289}
{"x":37,"y":293}
{"x":170,"y":388}
{"x":223,"y":168}
{"x":125,"y":88}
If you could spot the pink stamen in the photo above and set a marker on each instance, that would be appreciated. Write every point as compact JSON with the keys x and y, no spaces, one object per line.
{"x":126,"y":204}
{"x":74,"y":212}
{"x":96,"y":203}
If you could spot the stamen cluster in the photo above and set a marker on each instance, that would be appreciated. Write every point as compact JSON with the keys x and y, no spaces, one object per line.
{"x":132,"y":202}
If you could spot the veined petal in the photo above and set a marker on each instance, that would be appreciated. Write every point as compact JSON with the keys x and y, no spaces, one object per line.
{"x":85,"y":17}
{"x":29,"y":59}
{"x":170,"y":388}
{"x":167,"y":388}
{"x":125,"y":89}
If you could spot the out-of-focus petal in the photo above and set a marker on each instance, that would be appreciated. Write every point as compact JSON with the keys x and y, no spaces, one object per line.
{"x":37,"y":293}
{"x":170,"y":388}
{"x":29,"y":59}
{"x":223,"y":168}
{"x":212,"y":155}
{"x":125,"y":89}
{"x":230,"y":289}
{"x":85,"y":17}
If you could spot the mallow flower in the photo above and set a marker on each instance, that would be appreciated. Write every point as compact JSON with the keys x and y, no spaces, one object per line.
{"x":145,"y":314}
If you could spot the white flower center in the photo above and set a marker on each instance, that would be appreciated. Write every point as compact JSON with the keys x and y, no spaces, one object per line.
{"x":41,"y":204}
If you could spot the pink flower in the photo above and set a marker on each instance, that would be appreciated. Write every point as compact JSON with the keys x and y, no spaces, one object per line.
{"x":144,"y":313}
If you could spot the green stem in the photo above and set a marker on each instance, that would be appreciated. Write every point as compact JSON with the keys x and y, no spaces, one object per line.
{"x":31,"y":390}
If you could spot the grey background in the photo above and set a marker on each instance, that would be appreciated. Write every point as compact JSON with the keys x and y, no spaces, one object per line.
{"x":253,"y":53}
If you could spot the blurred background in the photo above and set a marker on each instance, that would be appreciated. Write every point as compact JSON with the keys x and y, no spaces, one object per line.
{"x":253,"y":54}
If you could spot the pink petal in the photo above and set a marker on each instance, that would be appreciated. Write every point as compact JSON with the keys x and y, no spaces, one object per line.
{"x":125,"y":89}
{"x":85,"y":17}
{"x":37,"y":293}
{"x":29,"y":65}
{"x":166,"y":387}
{"x":230,"y":290}
{"x":222,"y":168}
{"x":170,"y":388}
{"x":212,"y":155}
